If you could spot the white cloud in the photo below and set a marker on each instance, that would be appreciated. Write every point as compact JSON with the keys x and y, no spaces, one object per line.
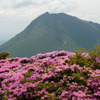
{"x":8,"y":4}
{"x":33,"y":8}
{"x":88,"y":10}
{"x":62,"y":6}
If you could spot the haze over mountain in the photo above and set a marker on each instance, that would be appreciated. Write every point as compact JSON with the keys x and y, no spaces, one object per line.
{"x":2,"y":41}
{"x":51,"y":32}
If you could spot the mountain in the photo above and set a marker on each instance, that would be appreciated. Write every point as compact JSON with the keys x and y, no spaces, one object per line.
{"x":2,"y":41}
{"x":51,"y":32}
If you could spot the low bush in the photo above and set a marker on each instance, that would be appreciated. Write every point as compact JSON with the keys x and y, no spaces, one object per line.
{"x":58,"y":75}
{"x":4,"y":55}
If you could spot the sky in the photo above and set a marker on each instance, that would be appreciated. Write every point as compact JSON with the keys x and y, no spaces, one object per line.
{"x":16,"y":15}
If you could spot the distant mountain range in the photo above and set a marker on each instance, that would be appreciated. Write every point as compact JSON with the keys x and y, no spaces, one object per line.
{"x":51,"y":32}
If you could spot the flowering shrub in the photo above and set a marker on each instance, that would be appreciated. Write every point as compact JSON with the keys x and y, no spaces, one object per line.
{"x":57,"y":75}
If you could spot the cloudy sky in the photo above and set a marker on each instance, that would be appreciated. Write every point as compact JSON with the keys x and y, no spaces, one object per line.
{"x":15,"y":15}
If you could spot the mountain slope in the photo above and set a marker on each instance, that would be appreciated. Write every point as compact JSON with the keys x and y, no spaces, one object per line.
{"x":51,"y":32}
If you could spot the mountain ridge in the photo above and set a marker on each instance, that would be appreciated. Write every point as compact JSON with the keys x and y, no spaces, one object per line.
{"x":50,"y":32}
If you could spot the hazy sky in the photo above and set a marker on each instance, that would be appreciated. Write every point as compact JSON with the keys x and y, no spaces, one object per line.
{"x":15,"y":15}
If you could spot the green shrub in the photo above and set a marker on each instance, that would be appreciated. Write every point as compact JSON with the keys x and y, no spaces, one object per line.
{"x":4,"y":55}
{"x":91,"y":60}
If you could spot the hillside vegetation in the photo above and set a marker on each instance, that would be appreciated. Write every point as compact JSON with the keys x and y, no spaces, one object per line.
{"x":57,"y":75}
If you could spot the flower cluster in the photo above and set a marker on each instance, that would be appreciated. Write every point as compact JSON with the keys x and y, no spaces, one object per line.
{"x":49,"y":76}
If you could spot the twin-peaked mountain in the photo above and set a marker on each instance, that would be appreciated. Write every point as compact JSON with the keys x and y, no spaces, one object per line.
{"x":51,"y":32}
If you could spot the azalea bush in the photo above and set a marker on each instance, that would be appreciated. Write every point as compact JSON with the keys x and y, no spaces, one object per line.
{"x":58,"y":75}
